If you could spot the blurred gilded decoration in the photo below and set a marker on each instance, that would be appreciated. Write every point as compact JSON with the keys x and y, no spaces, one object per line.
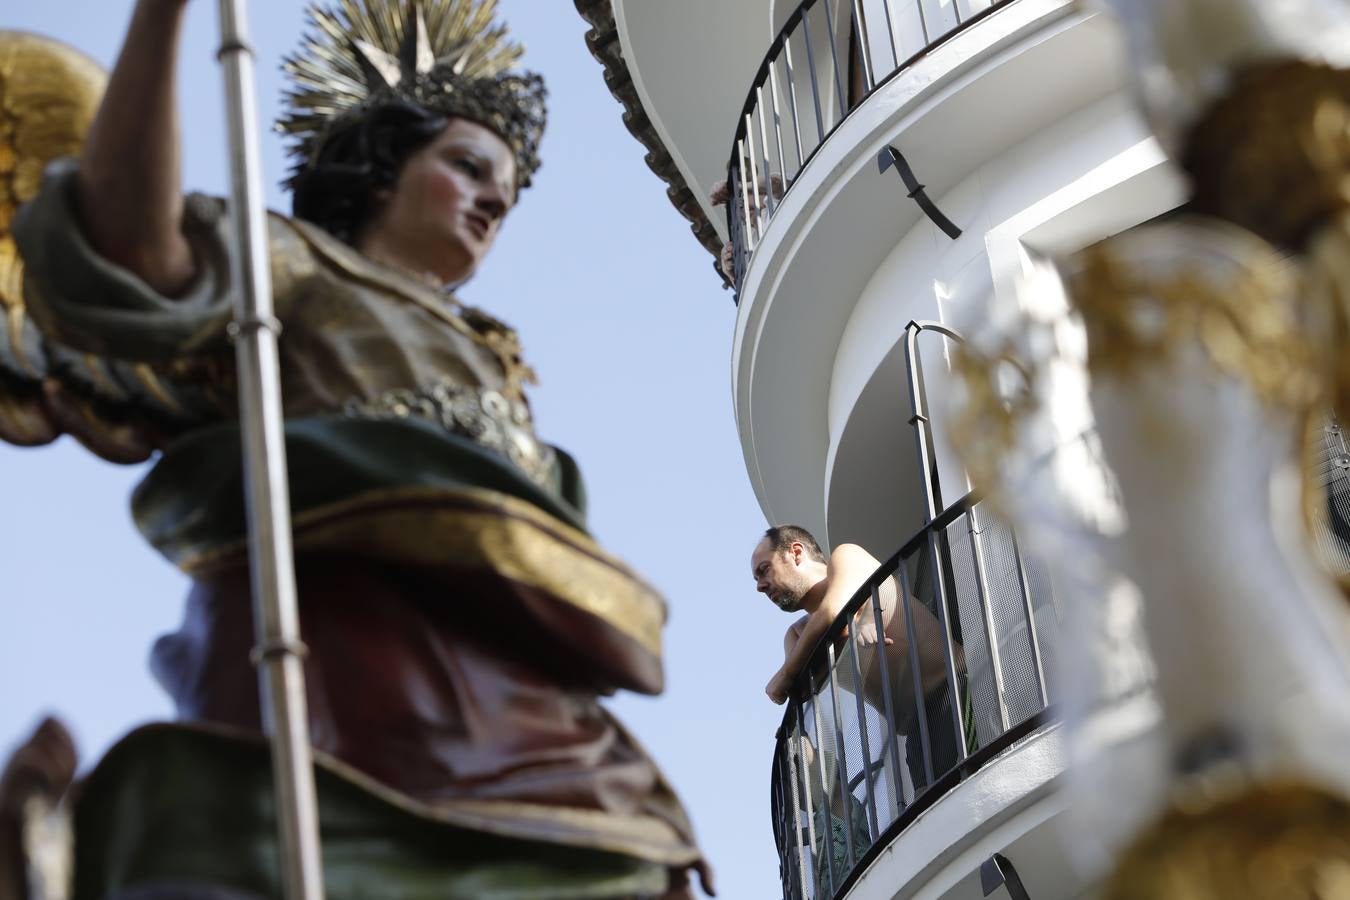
{"x":1245,"y":323}
{"x":1271,"y":155}
{"x":985,"y":424}
{"x":1271,"y":842}
{"x":48,"y":95}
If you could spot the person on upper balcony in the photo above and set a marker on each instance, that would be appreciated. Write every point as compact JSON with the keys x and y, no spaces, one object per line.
{"x":795,"y":574}
{"x":721,"y":194}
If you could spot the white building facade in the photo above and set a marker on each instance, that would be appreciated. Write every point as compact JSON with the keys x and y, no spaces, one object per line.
{"x":892,"y":167}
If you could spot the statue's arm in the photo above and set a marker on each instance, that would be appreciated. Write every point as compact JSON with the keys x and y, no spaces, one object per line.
{"x":129,"y":196}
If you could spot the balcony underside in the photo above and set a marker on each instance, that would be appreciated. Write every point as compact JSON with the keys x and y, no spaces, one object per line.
{"x":690,"y":62}
{"x":971,"y":99}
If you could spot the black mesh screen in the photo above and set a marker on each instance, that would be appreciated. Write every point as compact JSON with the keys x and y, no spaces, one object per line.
{"x":1330,"y":463}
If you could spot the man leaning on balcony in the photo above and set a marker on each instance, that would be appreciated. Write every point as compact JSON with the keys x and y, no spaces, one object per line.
{"x":792,"y":571}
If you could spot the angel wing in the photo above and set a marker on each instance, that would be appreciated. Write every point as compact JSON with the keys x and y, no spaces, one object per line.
{"x":49,"y":93}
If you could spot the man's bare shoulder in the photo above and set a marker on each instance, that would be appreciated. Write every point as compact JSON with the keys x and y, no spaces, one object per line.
{"x":852,"y":556}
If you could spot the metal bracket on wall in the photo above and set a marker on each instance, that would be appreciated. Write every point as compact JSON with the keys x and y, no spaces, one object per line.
{"x":892,"y":157}
{"x":998,"y":871}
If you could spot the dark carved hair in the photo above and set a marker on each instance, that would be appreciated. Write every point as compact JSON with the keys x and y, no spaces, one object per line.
{"x":782,"y":537}
{"x":336,"y":189}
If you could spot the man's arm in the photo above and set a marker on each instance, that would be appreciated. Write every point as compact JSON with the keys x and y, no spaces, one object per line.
{"x":130,"y":196}
{"x":849,"y":567}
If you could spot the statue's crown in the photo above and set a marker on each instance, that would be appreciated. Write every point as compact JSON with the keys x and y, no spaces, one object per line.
{"x":449,"y":57}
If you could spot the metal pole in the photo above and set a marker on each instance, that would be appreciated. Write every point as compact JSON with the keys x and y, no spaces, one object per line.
{"x":770,"y":203}
{"x":828,"y":837}
{"x":932,"y":497}
{"x":792,"y":102}
{"x":811,"y":69}
{"x":990,"y":635}
{"x":948,"y":641}
{"x":862,"y":725}
{"x":777,"y":125}
{"x":810,"y":803}
{"x":777,"y":793}
{"x":277,"y":623}
{"x":1031,"y":619}
{"x":919,"y":412}
{"x":747,"y":226}
{"x":893,"y":728}
{"x":845,"y":795}
{"x":834,"y":59}
{"x":794,"y":748}
{"x":758,"y":206}
{"x":735,"y":229}
{"x":864,"y":44}
{"x":920,"y":707}
{"x":890,"y":31}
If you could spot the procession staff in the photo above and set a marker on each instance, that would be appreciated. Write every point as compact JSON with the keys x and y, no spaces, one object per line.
{"x":279,"y":652}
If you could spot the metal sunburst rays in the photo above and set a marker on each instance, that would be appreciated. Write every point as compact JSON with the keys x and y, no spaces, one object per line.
{"x":356,"y":49}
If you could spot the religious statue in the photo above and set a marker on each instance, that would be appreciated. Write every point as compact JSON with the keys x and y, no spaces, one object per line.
{"x":1144,"y":418}
{"x":459,"y":620}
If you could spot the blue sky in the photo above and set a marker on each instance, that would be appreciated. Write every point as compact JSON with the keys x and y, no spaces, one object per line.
{"x":623,"y":318}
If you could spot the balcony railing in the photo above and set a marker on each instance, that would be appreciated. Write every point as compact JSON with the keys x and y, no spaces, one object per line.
{"x":873,"y":734}
{"x":828,"y":57}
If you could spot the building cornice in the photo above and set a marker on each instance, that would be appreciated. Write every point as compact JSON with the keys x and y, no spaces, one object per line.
{"x":603,"y":41}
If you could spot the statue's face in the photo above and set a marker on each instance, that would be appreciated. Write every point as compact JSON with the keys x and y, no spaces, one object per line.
{"x":442,"y":215}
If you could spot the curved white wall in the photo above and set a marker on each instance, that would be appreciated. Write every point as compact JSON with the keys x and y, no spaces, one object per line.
{"x":1094,"y":172}
{"x":967,"y":102}
{"x":1010,"y":803}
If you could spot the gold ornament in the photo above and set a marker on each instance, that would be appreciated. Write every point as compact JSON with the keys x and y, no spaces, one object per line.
{"x":448,"y":57}
{"x":49,"y":93}
{"x":1273,"y":154}
{"x":1270,"y":842}
{"x":986,"y":423}
{"x":1247,"y":322}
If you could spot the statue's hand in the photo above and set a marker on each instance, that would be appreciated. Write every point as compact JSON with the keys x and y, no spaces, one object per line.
{"x":44,"y":764}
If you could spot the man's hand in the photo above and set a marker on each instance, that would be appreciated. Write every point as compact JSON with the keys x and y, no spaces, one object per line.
{"x":727,"y":262}
{"x":867,"y":634}
{"x":779,"y":687}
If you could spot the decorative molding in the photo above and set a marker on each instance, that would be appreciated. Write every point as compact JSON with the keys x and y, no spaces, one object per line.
{"x":603,"y":41}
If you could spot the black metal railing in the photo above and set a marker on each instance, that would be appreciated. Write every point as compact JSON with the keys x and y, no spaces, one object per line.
{"x":829,"y":55}
{"x":874,"y":733}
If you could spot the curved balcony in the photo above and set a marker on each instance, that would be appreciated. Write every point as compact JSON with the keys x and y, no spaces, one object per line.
{"x":829,"y":56}
{"x":878,"y":730}
{"x":870,"y":740}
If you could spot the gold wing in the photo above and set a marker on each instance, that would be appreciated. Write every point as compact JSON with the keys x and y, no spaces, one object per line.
{"x":49,"y":93}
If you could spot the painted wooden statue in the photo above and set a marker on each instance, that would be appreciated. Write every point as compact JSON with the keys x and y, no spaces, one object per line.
{"x":460,"y":622}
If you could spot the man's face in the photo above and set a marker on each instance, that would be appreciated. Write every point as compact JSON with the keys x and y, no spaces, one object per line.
{"x":778,"y":576}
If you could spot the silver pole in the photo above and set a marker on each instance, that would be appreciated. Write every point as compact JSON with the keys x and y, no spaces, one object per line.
{"x":255,"y":329}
